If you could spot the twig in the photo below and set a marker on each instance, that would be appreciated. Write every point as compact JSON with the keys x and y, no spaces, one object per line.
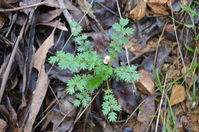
{"x":7,"y":71}
{"x":133,"y":113}
{"x":160,"y":38}
{"x":161,"y":101}
{"x":108,"y":9}
{"x":67,"y":15}
{"x":84,"y":109}
{"x":62,"y":120}
{"x":148,"y":127}
{"x":118,"y":7}
{"x":13,"y":20}
{"x":42,"y":119}
{"x":180,"y":52}
{"x":22,"y":7}
{"x":127,"y":55}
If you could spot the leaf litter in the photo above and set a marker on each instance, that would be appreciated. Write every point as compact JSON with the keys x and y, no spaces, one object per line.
{"x":35,"y":97}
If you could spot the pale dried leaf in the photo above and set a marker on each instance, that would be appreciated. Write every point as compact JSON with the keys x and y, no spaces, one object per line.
{"x":29,"y":2}
{"x":40,"y":55}
{"x":177,"y":95}
{"x":158,"y":9}
{"x":55,"y":4}
{"x":3,"y":125}
{"x":139,"y":49}
{"x":145,"y":84}
{"x":184,"y":2}
{"x":139,"y":11}
{"x":39,"y":94}
{"x":161,"y":2}
{"x":55,"y":23}
{"x":157,"y":1}
{"x":42,"y":82}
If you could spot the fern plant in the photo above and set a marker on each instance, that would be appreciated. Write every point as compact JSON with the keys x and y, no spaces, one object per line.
{"x":84,"y":86}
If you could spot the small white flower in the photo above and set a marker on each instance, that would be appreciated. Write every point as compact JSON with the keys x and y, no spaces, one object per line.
{"x":107,"y":59}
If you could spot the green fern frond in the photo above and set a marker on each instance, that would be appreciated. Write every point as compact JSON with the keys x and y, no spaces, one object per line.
{"x":83,"y":61}
{"x":110,"y":105}
{"x":119,"y":37}
{"x":88,"y":60}
{"x":77,"y":28}
{"x":126,"y":73}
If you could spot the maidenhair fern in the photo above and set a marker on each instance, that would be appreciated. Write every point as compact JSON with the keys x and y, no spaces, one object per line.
{"x":83,"y":86}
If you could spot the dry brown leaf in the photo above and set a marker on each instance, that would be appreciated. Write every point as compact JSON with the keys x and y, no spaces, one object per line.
{"x":67,"y":107}
{"x":3,"y":19}
{"x":62,"y":116}
{"x":3,"y":125}
{"x":145,"y":115}
{"x":139,"y":11}
{"x":160,"y":7}
{"x":40,"y":92}
{"x":84,"y":6}
{"x":42,"y":82}
{"x":125,"y":97}
{"x":49,"y":16}
{"x":13,"y":1}
{"x":74,"y":11}
{"x":40,"y":55}
{"x":28,"y":2}
{"x":158,"y":1}
{"x":145,"y":84}
{"x":6,"y":4}
{"x":55,"y":23}
{"x":140,"y":49}
{"x":55,"y":4}
{"x":147,"y":111}
{"x":177,"y":94}
{"x":184,"y":2}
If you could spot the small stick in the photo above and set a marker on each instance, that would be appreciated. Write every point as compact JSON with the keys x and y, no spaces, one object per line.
{"x":133,"y":113}
{"x":67,"y":15}
{"x":84,"y":110}
{"x":7,"y":71}
{"x":161,"y":101}
{"x":22,"y":7}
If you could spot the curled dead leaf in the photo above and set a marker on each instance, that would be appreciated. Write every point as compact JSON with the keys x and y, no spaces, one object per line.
{"x":139,"y":11}
{"x":145,"y":84}
{"x":160,"y":7}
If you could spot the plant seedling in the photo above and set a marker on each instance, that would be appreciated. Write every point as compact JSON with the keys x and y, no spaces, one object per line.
{"x":83,"y":86}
